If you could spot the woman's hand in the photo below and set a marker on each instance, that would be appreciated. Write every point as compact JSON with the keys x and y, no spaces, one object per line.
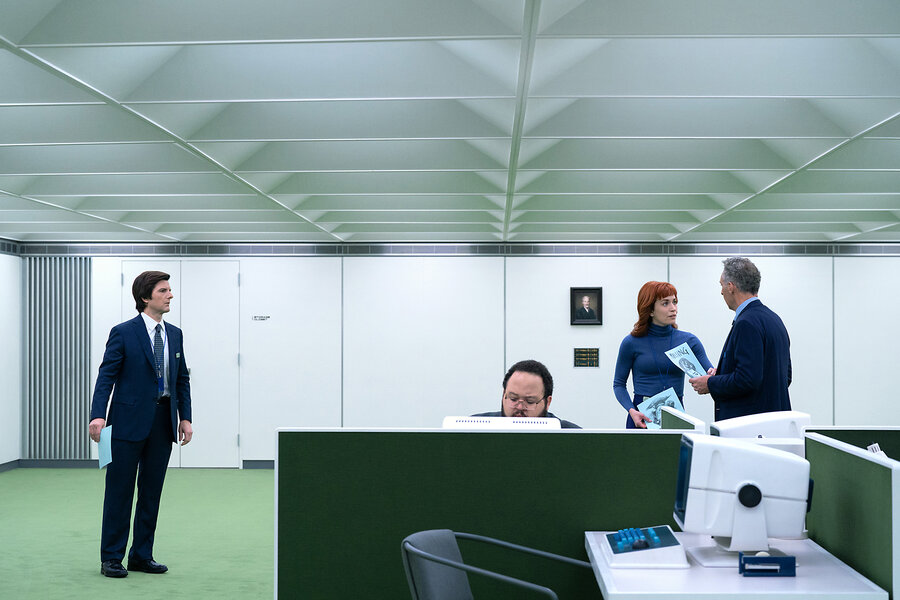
{"x":639,"y":418}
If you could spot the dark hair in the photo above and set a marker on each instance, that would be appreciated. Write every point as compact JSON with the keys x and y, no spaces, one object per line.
{"x":649,"y":293}
{"x":143,"y":287}
{"x":742,"y":273}
{"x":535,"y":368}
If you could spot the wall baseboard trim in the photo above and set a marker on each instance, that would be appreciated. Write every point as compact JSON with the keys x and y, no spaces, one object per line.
{"x":9,"y":466}
{"x":30,"y":463}
{"x":259,"y":464}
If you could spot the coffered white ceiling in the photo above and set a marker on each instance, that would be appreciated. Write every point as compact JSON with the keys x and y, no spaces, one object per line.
{"x":449,"y":120}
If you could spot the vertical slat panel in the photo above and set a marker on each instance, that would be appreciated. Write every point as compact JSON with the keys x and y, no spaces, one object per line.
{"x":57,"y":351}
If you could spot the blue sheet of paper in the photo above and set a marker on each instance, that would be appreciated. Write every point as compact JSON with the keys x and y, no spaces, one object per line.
{"x":105,"y":446}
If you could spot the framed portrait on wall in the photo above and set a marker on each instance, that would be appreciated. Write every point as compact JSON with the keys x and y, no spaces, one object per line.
{"x":586,"y":306}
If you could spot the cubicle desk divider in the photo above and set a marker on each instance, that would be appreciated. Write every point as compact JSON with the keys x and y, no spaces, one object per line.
{"x":345,"y":498}
{"x":888,"y":438}
{"x":854,"y":498}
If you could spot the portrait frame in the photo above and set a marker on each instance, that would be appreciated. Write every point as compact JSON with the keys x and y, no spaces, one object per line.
{"x":595,"y":304}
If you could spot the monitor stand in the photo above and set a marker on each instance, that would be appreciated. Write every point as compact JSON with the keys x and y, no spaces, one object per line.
{"x":717,"y":556}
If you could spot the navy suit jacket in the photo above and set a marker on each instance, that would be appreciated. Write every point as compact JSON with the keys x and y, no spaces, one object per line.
{"x":128,"y":371}
{"x":754,"y":369}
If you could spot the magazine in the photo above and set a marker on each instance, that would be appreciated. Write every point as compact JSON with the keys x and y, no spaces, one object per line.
{"x":684,"y":359}
{"x":652,"y":406}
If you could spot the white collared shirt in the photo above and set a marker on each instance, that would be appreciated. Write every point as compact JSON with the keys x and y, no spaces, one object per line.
{"x":150,"y":324}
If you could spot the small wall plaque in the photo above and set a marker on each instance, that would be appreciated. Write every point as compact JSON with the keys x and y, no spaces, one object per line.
{"x":587,"y":357}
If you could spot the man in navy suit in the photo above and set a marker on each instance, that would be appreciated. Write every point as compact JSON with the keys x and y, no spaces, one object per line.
{"x":754,"y":370}
{"x":145,"y":370}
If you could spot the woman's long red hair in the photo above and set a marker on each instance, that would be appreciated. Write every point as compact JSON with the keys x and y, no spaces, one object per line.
{"x":649,"y":293}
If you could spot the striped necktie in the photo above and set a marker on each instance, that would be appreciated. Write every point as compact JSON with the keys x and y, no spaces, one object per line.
{"x":158,"y":355}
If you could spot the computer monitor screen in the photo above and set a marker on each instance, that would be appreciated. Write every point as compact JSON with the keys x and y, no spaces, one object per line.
{"x":684,"y":478}
{"x":739,"y":492}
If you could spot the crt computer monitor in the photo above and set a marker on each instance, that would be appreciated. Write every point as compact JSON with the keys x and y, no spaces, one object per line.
{"x":699,"y":425}
{"x":740,"y":493}
{"x":782,"y":430}
{"x":778,"y":424}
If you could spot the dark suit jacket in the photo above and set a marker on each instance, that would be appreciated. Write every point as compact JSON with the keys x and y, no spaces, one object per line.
{"x":128,"y":371}
{"x":563,"y":424}
{"x":754,"y":370}
{"x":583,"y":313}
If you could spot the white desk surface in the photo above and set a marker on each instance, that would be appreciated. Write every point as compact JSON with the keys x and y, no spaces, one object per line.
{"x":819,"y":575}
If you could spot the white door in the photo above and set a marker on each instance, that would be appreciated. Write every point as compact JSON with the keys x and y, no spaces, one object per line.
{"x":205,"y":307}
{"x":210,"y":313}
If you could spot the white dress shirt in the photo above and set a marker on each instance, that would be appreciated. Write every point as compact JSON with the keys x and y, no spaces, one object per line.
{"x":150,"y":324}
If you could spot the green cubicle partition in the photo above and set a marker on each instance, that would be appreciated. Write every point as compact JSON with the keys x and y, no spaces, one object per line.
{"x":346,"y":498}
{"x":888,"y":438}
{"x":854,"y":496}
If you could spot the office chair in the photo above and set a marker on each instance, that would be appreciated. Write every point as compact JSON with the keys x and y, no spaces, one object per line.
{"x":435,"y":569}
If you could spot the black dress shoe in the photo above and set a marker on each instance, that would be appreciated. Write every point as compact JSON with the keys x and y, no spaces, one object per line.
{"x":113,"y":568}
{"x":147,"y":566}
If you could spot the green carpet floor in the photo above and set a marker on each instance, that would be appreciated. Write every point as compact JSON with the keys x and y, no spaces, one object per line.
{"x":215,"y":532}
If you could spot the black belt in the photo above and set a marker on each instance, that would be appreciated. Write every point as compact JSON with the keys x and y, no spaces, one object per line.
{"x":163,"y":400}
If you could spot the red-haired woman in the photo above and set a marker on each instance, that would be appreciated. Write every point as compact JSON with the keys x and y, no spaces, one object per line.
{"x":642,"y":352}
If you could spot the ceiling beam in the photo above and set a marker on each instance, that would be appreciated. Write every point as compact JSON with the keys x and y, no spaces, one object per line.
{"x":793,"y":173}
{"x":526,"y":61}
{"x":175,"y":138}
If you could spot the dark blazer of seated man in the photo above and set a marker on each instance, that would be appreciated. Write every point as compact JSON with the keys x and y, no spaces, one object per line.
{"x":527,"y":392}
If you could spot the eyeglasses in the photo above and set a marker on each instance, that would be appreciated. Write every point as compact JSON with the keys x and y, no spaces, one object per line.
{"x":529,"y":400}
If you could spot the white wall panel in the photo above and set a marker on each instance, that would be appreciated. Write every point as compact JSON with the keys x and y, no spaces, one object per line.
{"x":209,"y":307}
{"x":11,"y":358}
{"x":106,"y":311}
{"x":423,"y":338}
{"x":865,"y":338}
{"x":537,"y":321}
{"x":382,"y":341}
{"x":798,"y":289}
{"x":290,"y":348}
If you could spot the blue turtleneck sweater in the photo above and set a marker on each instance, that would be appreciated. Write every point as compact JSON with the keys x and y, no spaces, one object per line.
{"x":651,"y":370}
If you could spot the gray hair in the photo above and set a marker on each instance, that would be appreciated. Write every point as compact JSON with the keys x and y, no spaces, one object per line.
{"x":742,"y":273}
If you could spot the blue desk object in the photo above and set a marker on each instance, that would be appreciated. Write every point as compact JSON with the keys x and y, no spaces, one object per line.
{"x":644,"y":547}
{"x":751,"y":565}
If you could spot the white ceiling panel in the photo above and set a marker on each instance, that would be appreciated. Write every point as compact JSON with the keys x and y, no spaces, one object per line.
{"x":434,"y":121}
{"x":117,"y":22}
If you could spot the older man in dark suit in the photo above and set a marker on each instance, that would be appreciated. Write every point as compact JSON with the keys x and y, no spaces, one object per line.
{"x":586,"y":313}
{"x":754,"y":370}
{"x":145,"y":370}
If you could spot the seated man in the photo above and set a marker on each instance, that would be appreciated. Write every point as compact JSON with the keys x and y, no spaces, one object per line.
{"x":527,"y":391}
